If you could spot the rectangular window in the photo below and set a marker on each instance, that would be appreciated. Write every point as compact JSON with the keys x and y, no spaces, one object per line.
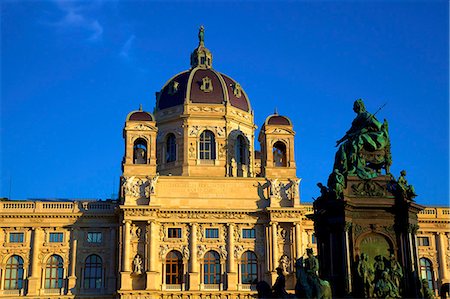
{"x":94,"y":237}
{"x":174,"y":232}
{"x":16,"y":237}
{"x":313,"y":239}
{"x":56,"y":237}
{"x":248,"y":233}
{"x":423,"y":241}
{"x":212,"y":233}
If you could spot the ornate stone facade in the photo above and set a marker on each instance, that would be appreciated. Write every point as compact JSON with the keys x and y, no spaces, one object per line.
{"x":201,"y":214}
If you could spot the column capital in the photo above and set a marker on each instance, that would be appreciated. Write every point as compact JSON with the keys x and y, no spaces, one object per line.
{"x":273,"y":223}
{"x":126,"y":221}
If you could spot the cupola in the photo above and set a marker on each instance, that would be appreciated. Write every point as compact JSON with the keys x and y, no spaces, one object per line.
{"x":201,"y":57}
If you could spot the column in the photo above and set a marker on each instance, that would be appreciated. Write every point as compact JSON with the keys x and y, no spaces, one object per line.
{"x":298,"y":241}
{"x":34,"y":279}
{"x":73,"y":261}
{"x":231,"y":275}
{"x":126,"y":246}
{"x":274,"y":246}
{"x":153,"y":275}
{"x":194,"y":275}
{"x":125,"y":279}
{"x":443,"y":271}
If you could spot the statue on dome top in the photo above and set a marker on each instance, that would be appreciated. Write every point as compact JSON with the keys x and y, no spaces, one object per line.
{"x":201,"y":35}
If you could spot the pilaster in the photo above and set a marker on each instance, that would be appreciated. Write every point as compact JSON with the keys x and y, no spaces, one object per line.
{"x":34,"y":279}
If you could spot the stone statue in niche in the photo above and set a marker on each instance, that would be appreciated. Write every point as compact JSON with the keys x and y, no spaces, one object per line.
{"x":278,"y":157}
{"x":137,"y":265}
{"x":284,"y":264}
{"x":139,"y":154}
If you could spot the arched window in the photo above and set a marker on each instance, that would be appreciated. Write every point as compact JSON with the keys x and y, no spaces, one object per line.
{"x":211,"y":268}
{"x":140,"y":151}
{"x":249,"y":268}
{"x":171,"y":148}
{"x":207,"y":146}
{"x":426,"y":272}
{"x":174,"y":268}
{"x":279,"y":154}
{"x":14,"y":273}
{"x":241,"y":150}
{"x":93,"y":268}
{"x":54,"y":270}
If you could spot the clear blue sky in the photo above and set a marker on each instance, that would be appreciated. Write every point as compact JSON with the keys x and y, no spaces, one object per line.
{"x":71,"y":71}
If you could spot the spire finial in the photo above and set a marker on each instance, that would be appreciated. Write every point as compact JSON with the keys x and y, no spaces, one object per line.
{"x":275,"y":111}
{"x":201,"y":36}
{"x":140,"y":107}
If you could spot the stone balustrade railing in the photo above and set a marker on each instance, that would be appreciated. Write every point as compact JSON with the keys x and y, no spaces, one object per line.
{"x":26,"y":207}
{"x":428,"y":213}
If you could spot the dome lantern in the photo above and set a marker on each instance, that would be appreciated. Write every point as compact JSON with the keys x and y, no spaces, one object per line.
{"x":201,"y":57}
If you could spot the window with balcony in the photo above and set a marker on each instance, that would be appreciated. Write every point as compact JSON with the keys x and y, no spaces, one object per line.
{"x":211,"y":268}
{"x":174,"y":268}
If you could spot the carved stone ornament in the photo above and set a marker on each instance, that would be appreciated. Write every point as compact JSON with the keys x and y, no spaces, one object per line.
{"x":142,"y":127}
{"x":206,"y":85}
{"x":223,"y":252}
{"x":201,"y":250}
{"x":173,"y":87}
{"x":368,"y":188}
{"x":238,"y":249}
{"x":136,"y":187}
{"x":186,"y":252}
{"x":193,"y":131}
{"x":191,"y":151}
{"x":275,"y":188}
{"x":237,"y":90}
{"x":163,"y":249}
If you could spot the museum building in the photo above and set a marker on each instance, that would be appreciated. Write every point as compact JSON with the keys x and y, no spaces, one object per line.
{"x":201,"y":214}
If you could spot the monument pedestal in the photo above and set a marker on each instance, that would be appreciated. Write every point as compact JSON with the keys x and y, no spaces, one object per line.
{"x":369,"y":219}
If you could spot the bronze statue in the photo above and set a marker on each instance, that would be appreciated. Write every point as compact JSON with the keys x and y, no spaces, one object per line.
{"x":201,"y":35}
{"x":308,"y":284}
{"x":366,"y":133}
{"x":365,"y":273}
{"x":279,"y":287}
{"x":336,"y":183}
{"x":425,"y":291}
{"x":384,"y":288}
{"x":406,"y":190}
{"x":395,"y":272}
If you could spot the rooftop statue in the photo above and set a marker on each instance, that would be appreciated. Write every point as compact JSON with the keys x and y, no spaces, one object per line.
{"x":201,"y":35}
{"x":364,"y":149}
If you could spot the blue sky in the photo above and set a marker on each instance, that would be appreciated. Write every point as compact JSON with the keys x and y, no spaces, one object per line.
{"x":71,"y":71}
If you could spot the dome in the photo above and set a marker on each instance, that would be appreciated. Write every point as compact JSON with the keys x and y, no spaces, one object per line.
{"x":278,"y":120}
{"x":139,"y":115}
{"x":202,"y":84}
